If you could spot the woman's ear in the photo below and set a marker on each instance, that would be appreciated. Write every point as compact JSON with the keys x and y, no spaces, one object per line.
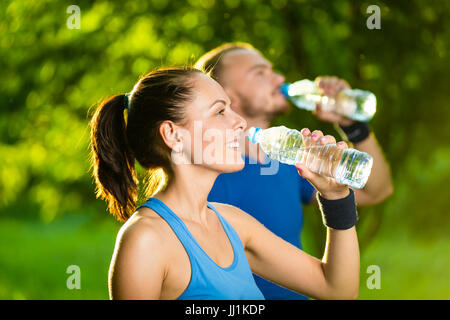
{"x":170,"y":136}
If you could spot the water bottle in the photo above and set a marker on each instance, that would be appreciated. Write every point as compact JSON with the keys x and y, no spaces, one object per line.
{"x":355,"y":104}
{"x":348,"y":166}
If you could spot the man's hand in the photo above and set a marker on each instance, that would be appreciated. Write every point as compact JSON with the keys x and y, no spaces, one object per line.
{"x":330,"y":86}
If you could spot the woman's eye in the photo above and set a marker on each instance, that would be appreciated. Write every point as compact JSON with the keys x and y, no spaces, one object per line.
{"x":221,"y":112}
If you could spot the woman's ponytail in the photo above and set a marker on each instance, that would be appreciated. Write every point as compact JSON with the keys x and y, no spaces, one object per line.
{"x":115,"y":143}
{"x":112,"y":159}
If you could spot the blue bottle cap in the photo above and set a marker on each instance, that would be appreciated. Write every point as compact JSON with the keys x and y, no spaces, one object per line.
{"x":285,"y":89}
{"x":252,"y":133}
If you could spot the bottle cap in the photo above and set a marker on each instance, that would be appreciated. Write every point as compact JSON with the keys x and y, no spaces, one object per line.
{"x":253,"y":134}
{"x":285,"y":89}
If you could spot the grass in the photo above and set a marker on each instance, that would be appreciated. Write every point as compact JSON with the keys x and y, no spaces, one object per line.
{"x":409,"y":269}
{"x":34,"y":258}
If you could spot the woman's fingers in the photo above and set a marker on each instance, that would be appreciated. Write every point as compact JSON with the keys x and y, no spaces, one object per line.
{"x":316,"y":135}
{"x":306,"y":136}
{"x":305,"y":131}
{"x":310,"y":138}
{"x":320,"y":182}
{"x":324,"y":184}
{"x":305,"y":172}
{"x":342,"y":145}
{"x":316,"y":138}
{"x":327,"y":140}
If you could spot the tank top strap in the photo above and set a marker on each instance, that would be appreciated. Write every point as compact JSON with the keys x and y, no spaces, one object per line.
{"x":229,"y":230}
{"x":178,"y":227}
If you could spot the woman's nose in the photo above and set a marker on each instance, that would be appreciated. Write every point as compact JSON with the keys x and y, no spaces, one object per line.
{"x":239,"y":123}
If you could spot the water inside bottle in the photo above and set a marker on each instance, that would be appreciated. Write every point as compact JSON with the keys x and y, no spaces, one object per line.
{"x":354,"y":168}
{"x":359,"y":105}
{"x":323,"y":160}
{"x":347,"y":166}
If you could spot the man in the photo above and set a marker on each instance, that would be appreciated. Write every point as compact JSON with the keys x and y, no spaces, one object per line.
{"x":275,"y":197}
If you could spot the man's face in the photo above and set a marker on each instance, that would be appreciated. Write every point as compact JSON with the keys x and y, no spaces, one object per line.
{"x":249,"y":78}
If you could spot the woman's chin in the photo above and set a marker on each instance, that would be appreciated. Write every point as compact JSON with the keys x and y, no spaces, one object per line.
{"x":235,"y":167}
{"x":230,"y":167}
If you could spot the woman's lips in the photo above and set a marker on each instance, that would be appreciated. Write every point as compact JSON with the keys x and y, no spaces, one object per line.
{"x":233,"y":144}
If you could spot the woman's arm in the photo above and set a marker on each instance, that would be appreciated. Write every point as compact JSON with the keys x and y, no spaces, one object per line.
{"x":335,"y":276}
{"x":341,"y":263}
{"x":138,"y":263}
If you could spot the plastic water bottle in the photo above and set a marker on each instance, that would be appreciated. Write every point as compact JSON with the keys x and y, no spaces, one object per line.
{"x":348,"y":166}
{"x":355,"y":104}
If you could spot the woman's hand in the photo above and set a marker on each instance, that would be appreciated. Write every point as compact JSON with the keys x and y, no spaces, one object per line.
{"x":329,"y":188}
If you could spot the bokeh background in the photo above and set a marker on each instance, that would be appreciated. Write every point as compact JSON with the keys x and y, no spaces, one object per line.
{"x":51,"y":75}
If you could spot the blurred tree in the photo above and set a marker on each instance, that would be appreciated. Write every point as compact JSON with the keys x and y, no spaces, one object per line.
{"x":51,"y":75}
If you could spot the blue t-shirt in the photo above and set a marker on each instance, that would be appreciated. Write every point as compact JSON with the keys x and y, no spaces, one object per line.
{"x":273,"y":193}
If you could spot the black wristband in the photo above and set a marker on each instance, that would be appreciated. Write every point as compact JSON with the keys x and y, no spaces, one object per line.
{"x":338,"y":214}
{"x":356,"y":132}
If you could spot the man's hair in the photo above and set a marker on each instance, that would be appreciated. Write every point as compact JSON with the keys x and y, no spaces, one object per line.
{"x":211,"y":62}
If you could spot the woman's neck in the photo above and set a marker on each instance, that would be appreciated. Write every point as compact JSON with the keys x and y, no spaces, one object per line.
{"x":187,"y":192}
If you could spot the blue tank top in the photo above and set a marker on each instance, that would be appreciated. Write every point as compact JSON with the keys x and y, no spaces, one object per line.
{"x":209,"y":281}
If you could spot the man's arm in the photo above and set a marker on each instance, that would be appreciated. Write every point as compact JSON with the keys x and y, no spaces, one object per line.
{"x":379,"y":185}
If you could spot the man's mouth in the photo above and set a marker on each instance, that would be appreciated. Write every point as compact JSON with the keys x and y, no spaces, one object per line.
{"x":277,"y":92}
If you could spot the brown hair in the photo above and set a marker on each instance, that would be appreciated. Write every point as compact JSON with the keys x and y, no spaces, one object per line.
{"x":116,"y":142}
{"x":211,"y":62}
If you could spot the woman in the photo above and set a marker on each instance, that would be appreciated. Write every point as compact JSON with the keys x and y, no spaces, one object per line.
{"x":179,"y":246}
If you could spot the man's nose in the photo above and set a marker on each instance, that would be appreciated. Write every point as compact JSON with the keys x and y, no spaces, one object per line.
{"x":279,"y":79}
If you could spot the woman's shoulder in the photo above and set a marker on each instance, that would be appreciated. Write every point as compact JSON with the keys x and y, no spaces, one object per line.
{"x":144,"y":229}
{"x":233,"y":212}
{"x":228,"y":211}
{"x":141,"y":256}
{"x":241,"y":221}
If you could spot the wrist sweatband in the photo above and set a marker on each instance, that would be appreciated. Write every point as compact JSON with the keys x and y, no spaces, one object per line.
{"x":356,"y":132}
{"x":338,"y":214}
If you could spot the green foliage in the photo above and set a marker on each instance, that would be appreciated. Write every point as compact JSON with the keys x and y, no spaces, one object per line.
{"x":51,"y":75}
